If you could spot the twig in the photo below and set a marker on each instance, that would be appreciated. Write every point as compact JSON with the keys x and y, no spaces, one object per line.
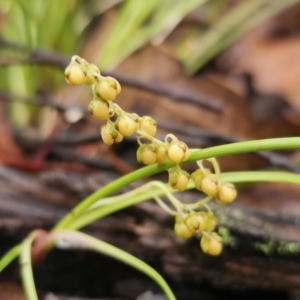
{"x":38,"y":56}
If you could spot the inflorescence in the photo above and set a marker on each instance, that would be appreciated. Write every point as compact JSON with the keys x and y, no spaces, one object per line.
{"x":190,"y":219}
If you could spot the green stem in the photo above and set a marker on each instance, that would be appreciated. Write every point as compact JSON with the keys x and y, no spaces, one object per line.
{"x":142,"y":195}
{"x":260,"y":176}
{"x":244,"y":147}
{"x":100,"y":212}
{"x":9,"y":256}
{"x":26,"y":267}
{"x":229,"y":149}
{"x":81,"y":240}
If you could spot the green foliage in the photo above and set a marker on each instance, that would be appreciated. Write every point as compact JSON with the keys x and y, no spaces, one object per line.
{"x":30,"y":25}
{"x":58,"y":25}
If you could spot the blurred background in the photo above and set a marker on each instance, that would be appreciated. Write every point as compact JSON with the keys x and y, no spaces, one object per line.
{"x":209,"y":71}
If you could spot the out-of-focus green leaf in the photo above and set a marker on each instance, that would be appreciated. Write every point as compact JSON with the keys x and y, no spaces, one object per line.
{"x":36,"y":24}
{"x":130,"y":30}
{"x":231,"y":26}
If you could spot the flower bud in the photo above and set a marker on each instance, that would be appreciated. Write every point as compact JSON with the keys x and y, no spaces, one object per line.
{"x":178,"y":152}
{"x":180,"y":228}
{"x":210,"y":221}
{"x":198,"y":176}
{"x":110,"y":135}
{"x":227,"y":193}
{"x":108,"y":88}
{"x":146,"y":155}
{"x":211,"y":244}
{"x":127,"y":125}
{"x":92,"y":74}
{"x":75,"y":75}
{"x":195,"y":222}
{"x":149,"y":125}
{"x":210,"y":184}
{"x":161,"y":152}
{"x":178,"y":179}
{"x":99,"y":109}
{"x":77,"y":59}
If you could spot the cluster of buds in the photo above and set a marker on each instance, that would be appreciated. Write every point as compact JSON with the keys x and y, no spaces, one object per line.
{"x":161,"y":152}
{"x":119,"y":124}
{"x":102,"y":107}
{"x":211,"y":185}
{"x":200,"y":222}
{"x":204,"y":223}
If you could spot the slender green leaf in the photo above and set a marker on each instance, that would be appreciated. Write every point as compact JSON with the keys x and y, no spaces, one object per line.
{"x":75,"y":239}
{"x":242,"y":18}
{"x":9,"y":256}
{"x":229,"y":149}
{"x":26,"y":268}
{"x":142,"y":194}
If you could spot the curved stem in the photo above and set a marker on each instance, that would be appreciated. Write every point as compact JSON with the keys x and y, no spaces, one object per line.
{"x":216,"y":165}
{"x":75,"y":239}
{"x":9,"y":256}
{"x":144,"y":135}
{"x":200,"y":203}
{"x":234,"y":148}
{"x":26,"y":267}
{"x":164,"y":206}
{"x":168,"y":193}
{"x":244,"y":147}
{"x":142,"y":195}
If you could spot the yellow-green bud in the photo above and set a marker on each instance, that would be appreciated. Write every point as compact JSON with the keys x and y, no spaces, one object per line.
{"x":146,"y":155}
{"x":126,"y":125}
{"x":227,"y":193}
{"x":210,"y":221}
{"x":180,"y":228}
{"x":178,"y":179}
{"x":148,"y":124}
{"x":77,"y":59}
{"x":99,"y":109}
{"x":161,"y":152}
{"x":198,"y":176}
{"x":210,"y":184}
{"x":92,"y":74}
{"x":75,"y":75}
{"x":108,"y":88}
{"x":110,"y":135}
{"x":178,"y":152}
{"x":195,"y":222}
{"x":211,"y":244}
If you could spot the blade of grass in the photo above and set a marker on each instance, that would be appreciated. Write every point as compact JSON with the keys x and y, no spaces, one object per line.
{"x":242,"y":18}
{"x":26,"y":267}
{"x":165,"y":19}
{"x":223,"y":150}
{"x":130,"y":17}
{"x":141,"y":194}
{"x":80,"y":240}
{"x":9,"y":256}
{"x":144,"y":193}
{"x":169,"y":16}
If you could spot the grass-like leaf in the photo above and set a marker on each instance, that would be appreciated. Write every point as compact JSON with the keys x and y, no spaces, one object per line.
{"x":145,"y":193}
{"x":26,"y":267}
{"x":223,"y":150}
{"x":9,"y":256}
{"x":242,"y":18}
{"x":74,"y":239}
{"x":130,"y":31}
